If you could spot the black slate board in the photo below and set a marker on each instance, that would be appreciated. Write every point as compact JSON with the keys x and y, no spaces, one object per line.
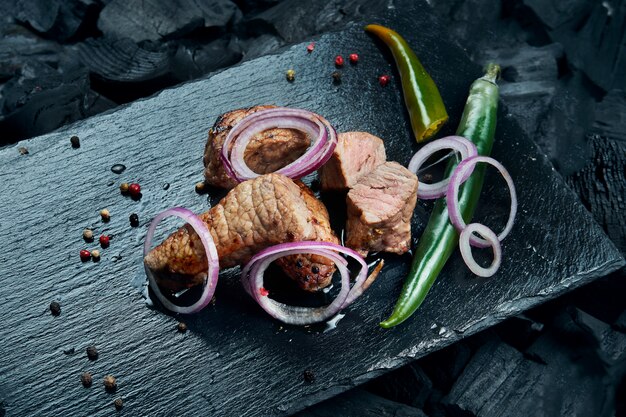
{"x":235,"y":360}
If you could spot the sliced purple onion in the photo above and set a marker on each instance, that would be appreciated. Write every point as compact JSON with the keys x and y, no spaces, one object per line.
{"x":457,"y":143}
{"x":452,"y":197}
{"x":466,"y":249}
{"x":323,"y":141}
{"x":252,"y":279}
{"x":211,"y":254}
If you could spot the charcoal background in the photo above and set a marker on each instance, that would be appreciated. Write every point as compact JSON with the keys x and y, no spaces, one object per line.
{"x":564,"y":72}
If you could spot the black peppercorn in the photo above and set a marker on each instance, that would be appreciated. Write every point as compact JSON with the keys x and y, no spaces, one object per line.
{"x":118,"y":404}
{"x":75,"y":141}
{"x":134,"y":220}
{"x":92,"y":353}
{"x":309,"y":376}
{"x":55,"y":308}
{"x":336,"y":77}
{"x":86,"y":379}
{"x":182,"y":327}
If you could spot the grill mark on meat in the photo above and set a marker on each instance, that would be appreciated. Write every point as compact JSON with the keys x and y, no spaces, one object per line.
{"x":380,"y":207}
{"x":267,"y":152}
{"x":265,"y":211}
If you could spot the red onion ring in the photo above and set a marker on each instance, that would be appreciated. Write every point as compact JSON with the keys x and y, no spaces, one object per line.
{"x":452,"y":197}
{"x":252,"y":279}
{"x":211,"y":253}
{"x":323,"y":142}
{"x":457,"y":143}
{"x":466,"y":249}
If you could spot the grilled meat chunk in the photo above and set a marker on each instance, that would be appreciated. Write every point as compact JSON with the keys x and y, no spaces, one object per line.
{"x":380,"y":206}
{"x":258,"y":213}
{"x":356,"y":154}
{"x":267,"y":152}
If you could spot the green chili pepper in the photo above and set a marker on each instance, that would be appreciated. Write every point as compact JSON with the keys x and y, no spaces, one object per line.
{"x":440,"y":238}
{"x":421,"y":96}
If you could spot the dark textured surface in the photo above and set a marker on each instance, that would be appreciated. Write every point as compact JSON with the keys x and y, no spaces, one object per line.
{"x":234,"y":360}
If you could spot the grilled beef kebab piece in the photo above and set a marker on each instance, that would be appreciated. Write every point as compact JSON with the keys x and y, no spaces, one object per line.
{"x":380,"y":206}
{"x":258,"y":213}
{"x":356,"y":154}
{"x":267,"y":152}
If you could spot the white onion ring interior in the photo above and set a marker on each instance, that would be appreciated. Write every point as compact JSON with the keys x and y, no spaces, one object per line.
{"x":252,"y":278}
{"x":464,"y":147}
{"x":323,"y":141}
{"x":466,"y":249}
{"x":211,"y":253}
{"x":452,"y":199}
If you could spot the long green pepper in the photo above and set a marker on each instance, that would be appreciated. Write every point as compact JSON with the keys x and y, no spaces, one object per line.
{"x":440,"y":238}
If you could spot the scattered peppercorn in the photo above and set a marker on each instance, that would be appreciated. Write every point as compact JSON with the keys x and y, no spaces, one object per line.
{"x":336,"y":77}
{"x":95,"y":255}
{"x":124,"y":187}
{"x":85,"y":255}
{"x":88,"y":235}
{"x":309,"y":376}
{"x":110,"y":384}
{"x":104,"y":241}
{"x":339,"y":61}
{"x":92,"y":353}
{"x":106,"y":216}
{"x":384,"y":80}
{"x":354,"y":58}
{"x":310,"y":47}
{"x":86,"y":379}
{"x":181,"y":327}
{"x":291,"y":75}
{"x":135,"y":190}
{"x":134,"y":220}
{"x":200,"y":187}
{"x":119,"y":404}
{"x":75,"y":142}
{"x":55,"y":308}
{"x":22,"y":150}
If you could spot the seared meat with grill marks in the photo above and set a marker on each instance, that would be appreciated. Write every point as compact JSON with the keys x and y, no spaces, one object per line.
{"x":258,"y":213}
{"x":356,"y":154}
{"x":267,"y":152}
{"x":380,"y":207}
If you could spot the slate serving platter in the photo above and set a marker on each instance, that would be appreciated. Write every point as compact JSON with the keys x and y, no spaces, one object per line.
{"x":235,"y":360}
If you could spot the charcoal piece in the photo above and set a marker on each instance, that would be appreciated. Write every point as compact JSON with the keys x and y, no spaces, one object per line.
{"x":192,"y":61}
{"x":261,"y":45}
{"x":597,"y":45}
{"x":620,"y":323}
{"x":123,"y":60}
{"x":58,"y":19}
{"x":159,"y":19}
{"x":526,"y":63}
{"x":520,"y":331}
{"x":40,"y":99}
{"x":294,"y":20}
{"x":499,"y":381}
{"x":408,"y":385}
{"x":558,"y":13}
{"x":444,"y":367}
{"x":19,"y":46}
{"x":601,"y":186}
{"x":610,"y":116}
{"x":360,"y":403}
{"x":97,"y":103}
{"x":255,"y":6}
{"x":611,"y":345}
{"x":562,"y":131}
{"x":528,"y":101}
